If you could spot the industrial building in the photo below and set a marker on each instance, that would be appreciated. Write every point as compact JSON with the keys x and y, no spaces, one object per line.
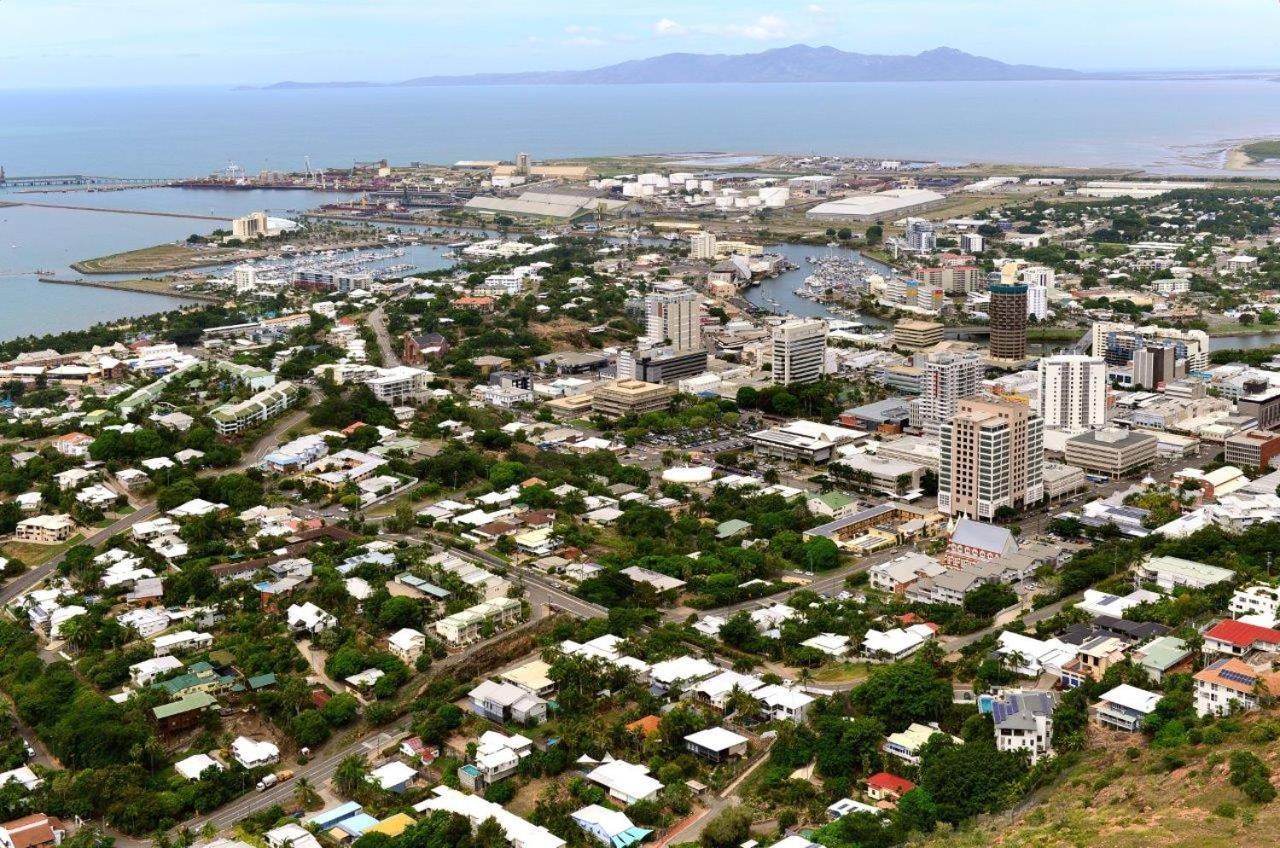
{"x":871,"y":207}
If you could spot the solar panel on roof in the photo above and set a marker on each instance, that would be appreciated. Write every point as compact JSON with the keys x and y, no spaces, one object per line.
{"x":1237,"y":677}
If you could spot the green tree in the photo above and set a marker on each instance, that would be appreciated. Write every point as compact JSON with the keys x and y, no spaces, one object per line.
{"x":965,"y":780}
{"x":349,"y":778}
{"x":903,"y":693}
{"x":821,"y":554}
{"x":989,"y":599}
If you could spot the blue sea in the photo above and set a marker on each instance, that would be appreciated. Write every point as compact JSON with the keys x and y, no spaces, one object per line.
{"x":1162,"y":127}
{"x":1166,"y":126}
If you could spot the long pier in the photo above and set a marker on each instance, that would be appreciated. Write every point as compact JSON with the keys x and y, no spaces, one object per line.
{"x":76,"y":180}
{"x":126,"y":287}
{"x":190,"y":215}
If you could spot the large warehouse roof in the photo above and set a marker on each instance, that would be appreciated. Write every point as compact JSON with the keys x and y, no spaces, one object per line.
{"x":545,"y":203}
{"x":874,"y":205}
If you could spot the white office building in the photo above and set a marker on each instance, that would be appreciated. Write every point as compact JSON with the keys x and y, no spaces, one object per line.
{"x":1073,"y":392}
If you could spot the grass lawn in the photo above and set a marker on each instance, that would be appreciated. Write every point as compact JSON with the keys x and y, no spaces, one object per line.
{"x":844,"y":672}
{"x":157,"y":259}
{"x":33,"y":555}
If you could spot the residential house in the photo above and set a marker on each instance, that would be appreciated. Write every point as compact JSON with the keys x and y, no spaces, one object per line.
{"x":1024,"y":722}
{"x":906,"y":744}
{"x":503,"y":702}
{"x":407,"y":644}
{"x":625,"y":782}
{"x":254,"y":753}
{"x":1229,"y":685}
{"x":717,"y":744}
{"x":1126,"y":707}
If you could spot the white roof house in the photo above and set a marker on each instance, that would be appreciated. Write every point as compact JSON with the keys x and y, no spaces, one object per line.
{"x":196,"y":507}
{"x":830,"y":644}
{"x":682,"y":670}
{"x":1132,"y":698}
{"x":896,"y":643}
{"x":393,"y":776}
{"x":407,"y":642}
{"x":195,"y":765}
{"x":716,"y":742}
{"x":23,"y":775}
{"x":519,"y":832}
{"x":291,"y":835}
{"x":1032,"y":657}
{"x":309,"y":617}
{"x":252,"y":753}
{"x":625,"y":782}
{"x":610,"y":827}
{"x":143,"y":673}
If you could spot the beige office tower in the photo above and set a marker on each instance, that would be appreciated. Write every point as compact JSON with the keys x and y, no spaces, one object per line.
{"x":992,"y":455}
{"x":673,"y":316}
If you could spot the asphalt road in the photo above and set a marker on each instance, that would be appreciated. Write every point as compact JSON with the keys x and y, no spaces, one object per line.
{"x":378,"y":323}
{"x":30,"y":578}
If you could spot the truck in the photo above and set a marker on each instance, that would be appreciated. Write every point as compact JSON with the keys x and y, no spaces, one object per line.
{"x":271,"y":780}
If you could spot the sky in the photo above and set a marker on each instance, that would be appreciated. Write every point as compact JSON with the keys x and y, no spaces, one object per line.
{"x":73,"y":43}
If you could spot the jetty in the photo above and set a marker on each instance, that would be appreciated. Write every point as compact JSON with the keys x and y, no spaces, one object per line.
{"x":131,"y":286}
{"x":152,"y":213}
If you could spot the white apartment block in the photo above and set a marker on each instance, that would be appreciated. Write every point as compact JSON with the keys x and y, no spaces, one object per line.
{"x":232,"y":418}
{"x":702,"y":246}
{"x":946,"y":378}
{"x":1073,"y":393}
{"x":673,"y":316}
{"x":799,"y":350}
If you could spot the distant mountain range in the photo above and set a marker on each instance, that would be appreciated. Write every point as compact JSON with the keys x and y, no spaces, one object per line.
{"x":798,"y":63}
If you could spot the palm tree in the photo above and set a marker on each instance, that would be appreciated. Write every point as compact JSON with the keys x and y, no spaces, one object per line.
{"x":349,"y":778}
{"x":305,"y":794}
{"x":73,"y":631}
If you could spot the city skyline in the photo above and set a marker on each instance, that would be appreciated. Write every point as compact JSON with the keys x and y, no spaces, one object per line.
{"x":73,"y":43}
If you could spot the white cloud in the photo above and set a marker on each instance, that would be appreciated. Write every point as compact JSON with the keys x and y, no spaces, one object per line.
{"x":815,"y":9}
{"x":763,"y":28}
{"x":667,"y":28}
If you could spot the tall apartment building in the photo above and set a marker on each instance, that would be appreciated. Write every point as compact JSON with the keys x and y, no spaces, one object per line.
{"x":1073,"y":392}
{"x":702,"y":246}
{"x":946,"y":378}
{"x":972,"y":243}
{"x":992,"y":455}
{"x":1008,"y":312}
{"x":953,"y":279}
{"x":1154,"y":367}
{"x":1037,"y":301}
{"x":673,"y":316}
{"x":799,"y":348}
{"x":922,"y":236}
